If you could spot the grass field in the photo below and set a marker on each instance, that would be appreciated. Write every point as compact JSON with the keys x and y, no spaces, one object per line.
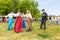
{"x":51,"y":33}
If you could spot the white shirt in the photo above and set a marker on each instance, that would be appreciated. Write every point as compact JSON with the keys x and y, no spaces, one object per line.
{"x":10,"y":15}
{"x":29,"y":15}
{"x":23,"y":15}
{"x":17,"y":14}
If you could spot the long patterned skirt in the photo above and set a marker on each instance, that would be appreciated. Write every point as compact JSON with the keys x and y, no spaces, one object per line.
{"x":18,"y":24}
{"x":10,"y":22}
{"x":23,"y":23}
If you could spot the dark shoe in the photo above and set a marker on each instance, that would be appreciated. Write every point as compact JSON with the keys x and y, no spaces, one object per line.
{"x":27,"y":30}
{"x":40,"y":28}
{"x":44,"y":29}
{"x":9,"y":29}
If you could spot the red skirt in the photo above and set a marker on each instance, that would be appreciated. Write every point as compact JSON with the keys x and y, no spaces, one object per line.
{"x":18,"y":24}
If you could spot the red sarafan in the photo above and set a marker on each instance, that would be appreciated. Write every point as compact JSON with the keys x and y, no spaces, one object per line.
{"x":18,"y":24}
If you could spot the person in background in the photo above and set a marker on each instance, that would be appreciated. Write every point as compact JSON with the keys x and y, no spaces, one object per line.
{"x":44,"y":19}
{"x":28,"y":21}
{"x":56,"y":20}
{"x":10,"y":20}
{"x":3,"y":18}
{"x":6,"y":20}
{"x":0,"y":19}
{"x":40,"y":19}
{"x":50,"y":20}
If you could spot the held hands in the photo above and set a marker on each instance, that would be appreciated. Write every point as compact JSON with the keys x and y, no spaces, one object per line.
{"x":29,"y":19}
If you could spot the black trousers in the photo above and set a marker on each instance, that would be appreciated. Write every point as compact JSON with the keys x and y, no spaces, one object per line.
{"x":43,"y":22}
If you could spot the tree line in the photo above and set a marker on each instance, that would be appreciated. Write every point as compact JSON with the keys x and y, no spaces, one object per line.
{"x":8,"y":5}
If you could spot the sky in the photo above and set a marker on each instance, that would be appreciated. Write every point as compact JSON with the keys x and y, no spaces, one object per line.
{"x":52,"y":7}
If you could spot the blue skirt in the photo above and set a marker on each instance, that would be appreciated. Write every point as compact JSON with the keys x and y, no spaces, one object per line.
{"x":10,"y":22}
{"x":23,"y":23}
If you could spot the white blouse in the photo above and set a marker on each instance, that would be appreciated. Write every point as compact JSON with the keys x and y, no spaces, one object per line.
{"x":10,"y":15}
{"x":29,"y":15}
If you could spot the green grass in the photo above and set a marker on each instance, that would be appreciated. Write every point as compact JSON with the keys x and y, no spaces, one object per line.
{"x":44,"y":35}
{"x":51,"y":33}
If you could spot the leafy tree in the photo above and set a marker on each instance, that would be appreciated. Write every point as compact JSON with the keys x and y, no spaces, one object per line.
{"x":7,"y":5}
{"x":30,"y":5}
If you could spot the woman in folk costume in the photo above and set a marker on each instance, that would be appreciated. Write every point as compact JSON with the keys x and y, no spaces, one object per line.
{"x":28,"y":20}
{"x":10,"y":20}
{"x":18,"y":22}
{"x":23,"y":21}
